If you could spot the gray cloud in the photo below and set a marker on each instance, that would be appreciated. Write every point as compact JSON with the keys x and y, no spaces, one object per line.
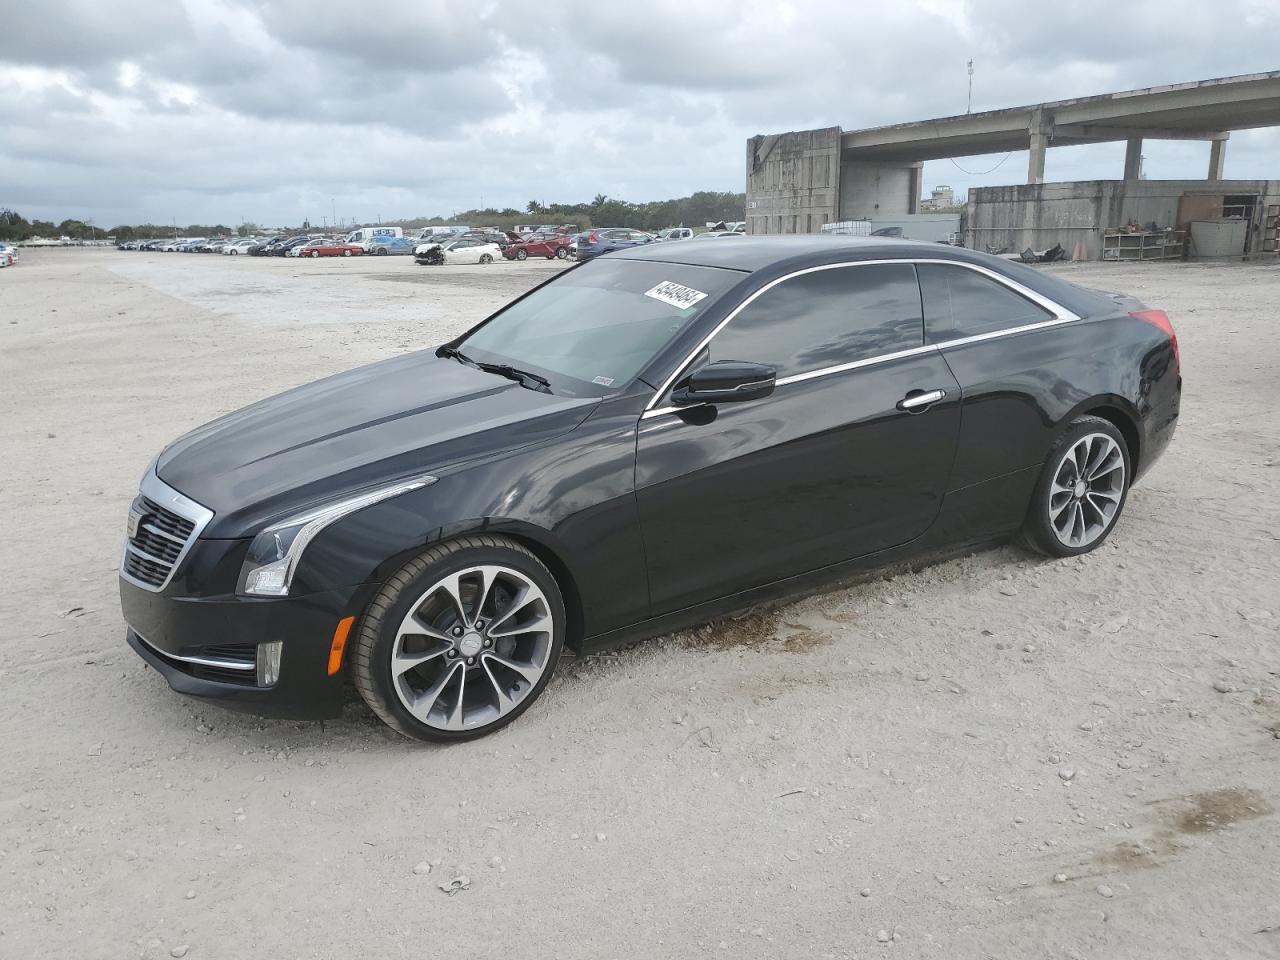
{"x":81,"y":34}
{"x":205,"y":110}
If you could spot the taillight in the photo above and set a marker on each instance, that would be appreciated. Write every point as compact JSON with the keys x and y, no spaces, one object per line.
{"x":1160,"y":319}
{"x":591,"y":237}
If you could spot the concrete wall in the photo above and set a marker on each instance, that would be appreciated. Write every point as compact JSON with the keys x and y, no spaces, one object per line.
{"x":1040,"y":215}
{"x":869,"y":190}
{"x":793,"y":181}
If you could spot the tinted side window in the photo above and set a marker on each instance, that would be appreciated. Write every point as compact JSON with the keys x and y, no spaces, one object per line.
{"x":963,"y":303}
{"x":827,"y":318}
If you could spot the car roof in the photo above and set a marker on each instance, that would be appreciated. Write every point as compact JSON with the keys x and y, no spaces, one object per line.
{"x":780,"y":254}
{"x":753,"y":253}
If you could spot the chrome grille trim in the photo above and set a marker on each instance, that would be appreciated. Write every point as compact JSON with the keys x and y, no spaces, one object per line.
{"x":183,"y":514}
{"x":223,"y":663}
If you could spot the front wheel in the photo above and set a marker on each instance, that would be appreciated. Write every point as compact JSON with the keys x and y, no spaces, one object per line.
{"x":486,"y":258}
{"x":461,"y":640}
{"x":562,"y":253}
{"x":314,"y":254}
{"x":1081,"y":491}
{"x":346,"y":253}
{"x":522,"y":254}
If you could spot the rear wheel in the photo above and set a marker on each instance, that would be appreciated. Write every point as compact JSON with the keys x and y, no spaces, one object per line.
{"x":346,"y":253}
{"x":1081,"y":491}
{"x":562,"y":253}
{"x":461,"y":640}
{"x":486,"y":258}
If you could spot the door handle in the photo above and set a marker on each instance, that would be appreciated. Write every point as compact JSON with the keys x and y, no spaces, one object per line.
{"x":918,"y":400}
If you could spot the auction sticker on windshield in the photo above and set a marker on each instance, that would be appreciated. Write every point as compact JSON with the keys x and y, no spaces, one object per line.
{"x":678,"y":295}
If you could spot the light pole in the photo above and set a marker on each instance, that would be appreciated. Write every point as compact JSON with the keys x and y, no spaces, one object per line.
{"x":969,"y":106}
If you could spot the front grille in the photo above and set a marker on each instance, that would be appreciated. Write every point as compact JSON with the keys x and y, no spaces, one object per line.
{"x":243,"y":678}
{"x":161,"y":535}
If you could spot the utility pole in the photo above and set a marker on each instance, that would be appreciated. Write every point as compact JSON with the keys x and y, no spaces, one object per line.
{"x":334,"y":210}
{"x":969,"y":106}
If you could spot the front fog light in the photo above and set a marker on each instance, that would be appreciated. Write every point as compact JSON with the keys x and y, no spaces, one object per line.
{"x":269,"y":662}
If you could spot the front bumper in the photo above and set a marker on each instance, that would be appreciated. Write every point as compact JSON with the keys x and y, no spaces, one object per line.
{"x":186,"y":638}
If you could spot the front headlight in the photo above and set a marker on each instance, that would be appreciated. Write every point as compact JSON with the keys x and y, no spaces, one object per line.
{"x":276,"y":551}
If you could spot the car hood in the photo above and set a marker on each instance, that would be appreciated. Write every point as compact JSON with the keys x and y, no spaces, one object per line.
{"x":368,"y":426}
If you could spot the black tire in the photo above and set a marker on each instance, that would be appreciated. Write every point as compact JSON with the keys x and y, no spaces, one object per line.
{"x":381,"y":251}
{"x":522,"y":254}
{"x":346,"y":253}
{"x":486,"y":258}
{"x":373,"y":649}
{"x":314,"y":254}
{"x":1038,"y":532}
{"x":562,"y":253}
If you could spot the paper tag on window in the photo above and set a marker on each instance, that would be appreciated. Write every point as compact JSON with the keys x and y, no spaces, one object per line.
{"x":603,"y":381}
{"x":679,"y":296}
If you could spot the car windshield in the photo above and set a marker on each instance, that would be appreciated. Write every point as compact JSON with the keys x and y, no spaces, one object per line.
{"x":592,"y":330}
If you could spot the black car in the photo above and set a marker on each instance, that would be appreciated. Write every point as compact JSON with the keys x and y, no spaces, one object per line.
{"x":281,"y":246}
{"x":644,"y":442}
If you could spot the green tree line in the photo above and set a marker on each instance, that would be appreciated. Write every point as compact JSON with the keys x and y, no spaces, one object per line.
{"x":705,"y":206}
{"x":15,"y":227}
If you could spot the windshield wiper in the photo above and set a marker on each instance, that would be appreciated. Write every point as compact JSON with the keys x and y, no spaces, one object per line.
{"x":457,"y":355}
{"x":523,"y":377}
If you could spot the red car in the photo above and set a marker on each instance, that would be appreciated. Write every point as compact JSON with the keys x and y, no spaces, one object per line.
{"x":330,"y":248}
{"x":550,"y":247}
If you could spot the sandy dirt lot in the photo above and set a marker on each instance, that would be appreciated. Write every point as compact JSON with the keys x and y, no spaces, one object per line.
{"x":997,"y":756}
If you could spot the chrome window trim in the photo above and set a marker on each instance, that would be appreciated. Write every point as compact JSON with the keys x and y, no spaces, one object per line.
{"x":159,"y":492}
{"x":1061,"y":315}
{"x":855,"y":364}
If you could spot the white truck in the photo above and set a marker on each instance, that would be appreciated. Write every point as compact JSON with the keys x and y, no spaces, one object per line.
{"x":365,"y":236}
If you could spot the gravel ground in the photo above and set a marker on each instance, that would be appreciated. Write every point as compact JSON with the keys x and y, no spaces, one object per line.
{"x":996,"y":756}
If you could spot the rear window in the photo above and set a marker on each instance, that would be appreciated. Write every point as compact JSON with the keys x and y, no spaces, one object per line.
{"x":592,"y":330}
{"x":959,"y":302}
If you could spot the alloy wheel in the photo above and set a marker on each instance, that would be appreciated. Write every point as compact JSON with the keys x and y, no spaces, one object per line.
{"x":1086,"y":490}
{"x":472,"y":647}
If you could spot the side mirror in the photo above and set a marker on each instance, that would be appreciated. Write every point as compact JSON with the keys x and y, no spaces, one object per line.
{"x":724,"y":382}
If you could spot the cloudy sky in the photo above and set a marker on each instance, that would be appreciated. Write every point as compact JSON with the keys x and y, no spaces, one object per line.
{"x":277,"y":110}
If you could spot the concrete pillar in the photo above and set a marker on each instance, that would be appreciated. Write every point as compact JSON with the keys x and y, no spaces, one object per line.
{"x":915,"y":187}
{"x":1035,"y":163}
{"x":1133,"y":159}
{"x":1217,"y":157}
{"x":1039,"y":130}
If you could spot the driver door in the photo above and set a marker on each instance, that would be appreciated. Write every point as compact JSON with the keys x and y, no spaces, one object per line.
{"x":828,"y":468}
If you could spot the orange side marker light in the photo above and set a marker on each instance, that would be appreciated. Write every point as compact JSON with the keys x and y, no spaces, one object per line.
{"x":339,"y":644}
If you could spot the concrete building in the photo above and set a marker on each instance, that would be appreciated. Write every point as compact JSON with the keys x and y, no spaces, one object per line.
{"x":941,"y":198}
{"x":798,"y":181}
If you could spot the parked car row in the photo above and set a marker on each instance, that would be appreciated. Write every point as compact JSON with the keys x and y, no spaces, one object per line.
{"x":431,"y":246}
